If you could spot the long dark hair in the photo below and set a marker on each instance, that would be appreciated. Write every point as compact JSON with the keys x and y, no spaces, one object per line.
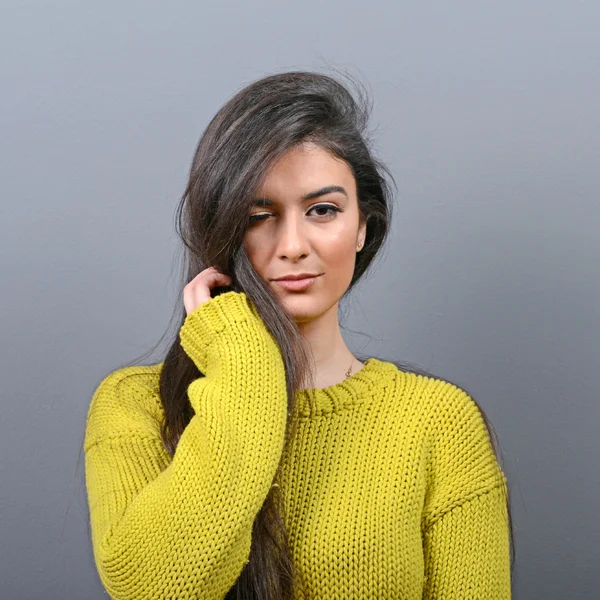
{"x":254,"y":128}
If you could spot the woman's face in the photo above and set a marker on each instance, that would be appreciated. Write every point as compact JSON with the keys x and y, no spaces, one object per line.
{"x":318,"y":235}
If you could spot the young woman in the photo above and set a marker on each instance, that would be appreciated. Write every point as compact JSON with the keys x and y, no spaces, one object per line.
{"x":261,"y":458}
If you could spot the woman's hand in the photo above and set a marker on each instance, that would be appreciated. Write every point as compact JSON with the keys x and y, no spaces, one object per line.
{"x":198,"y":290}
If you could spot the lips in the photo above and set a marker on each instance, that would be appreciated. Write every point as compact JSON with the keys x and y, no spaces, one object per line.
{"x":296,"y":285}
{"x":296,"y":277}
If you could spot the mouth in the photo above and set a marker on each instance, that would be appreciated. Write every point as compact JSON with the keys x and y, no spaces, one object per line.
{"x":296,"y":285}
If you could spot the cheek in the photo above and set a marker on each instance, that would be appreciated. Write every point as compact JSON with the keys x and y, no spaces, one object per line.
{"x":251,"y":244}
{"x":253,"y":252}
{"x":339,"y":263}
{"x":342,"y":252}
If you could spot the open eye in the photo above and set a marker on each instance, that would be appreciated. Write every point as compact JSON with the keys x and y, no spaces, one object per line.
{"x":328,"y":207}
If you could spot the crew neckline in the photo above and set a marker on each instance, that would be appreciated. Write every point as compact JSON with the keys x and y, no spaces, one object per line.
{"x":354,"y":390}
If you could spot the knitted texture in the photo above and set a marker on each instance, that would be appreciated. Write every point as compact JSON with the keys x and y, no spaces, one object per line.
{"x":391,"y":486}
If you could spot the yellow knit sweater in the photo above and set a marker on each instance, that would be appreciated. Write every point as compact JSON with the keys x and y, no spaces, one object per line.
{"x":391,"y":486}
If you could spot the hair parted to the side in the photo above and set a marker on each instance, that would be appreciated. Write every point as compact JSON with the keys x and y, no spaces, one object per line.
{"x":254,"y":129}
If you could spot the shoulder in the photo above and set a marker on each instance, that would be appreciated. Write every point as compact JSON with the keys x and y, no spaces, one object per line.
{"x":440,"y":401}
{"x":125,"y":402}
{"x":449,"y":404}
{"x":453,"y":431}
{"x":451,"y":415}
{"x":453,"y":425}
{"x":435,"y":406}
{"x":460,"y":457}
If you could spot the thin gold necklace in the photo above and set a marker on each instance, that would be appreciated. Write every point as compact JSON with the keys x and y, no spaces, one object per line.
{"x":350,"y":369}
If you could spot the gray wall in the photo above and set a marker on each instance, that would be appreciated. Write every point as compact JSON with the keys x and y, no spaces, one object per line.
{"x":487,"y":113}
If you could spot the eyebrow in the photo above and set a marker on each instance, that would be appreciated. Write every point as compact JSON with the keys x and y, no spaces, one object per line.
{"x":326,"y":190}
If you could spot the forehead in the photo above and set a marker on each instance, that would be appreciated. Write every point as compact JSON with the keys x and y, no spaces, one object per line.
{"x":305,"y":169}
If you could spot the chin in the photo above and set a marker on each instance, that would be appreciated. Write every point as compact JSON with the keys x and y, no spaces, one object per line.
{"x":304,"y":307}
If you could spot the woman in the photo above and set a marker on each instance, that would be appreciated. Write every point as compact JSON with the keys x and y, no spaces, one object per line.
{"x":261,"y":458}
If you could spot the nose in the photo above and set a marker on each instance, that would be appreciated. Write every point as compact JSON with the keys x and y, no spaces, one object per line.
{"x":292,"y":237}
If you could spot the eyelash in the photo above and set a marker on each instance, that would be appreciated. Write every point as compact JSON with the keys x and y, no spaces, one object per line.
{"x":264,"y":216}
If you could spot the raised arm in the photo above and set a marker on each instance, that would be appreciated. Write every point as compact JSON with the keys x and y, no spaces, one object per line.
{"x":181,"y":528}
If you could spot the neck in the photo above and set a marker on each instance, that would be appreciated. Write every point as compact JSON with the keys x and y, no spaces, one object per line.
{"x":332,"y":358}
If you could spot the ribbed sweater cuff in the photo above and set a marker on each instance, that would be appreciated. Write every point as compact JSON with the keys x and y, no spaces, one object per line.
{"x":204,"y":324}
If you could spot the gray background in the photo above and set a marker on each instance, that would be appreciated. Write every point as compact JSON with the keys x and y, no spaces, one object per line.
{"x":487,"y":113}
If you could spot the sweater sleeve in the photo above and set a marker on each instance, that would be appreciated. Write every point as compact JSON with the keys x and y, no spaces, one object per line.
{"x":181,"y":528}
{"x":465,"y":518}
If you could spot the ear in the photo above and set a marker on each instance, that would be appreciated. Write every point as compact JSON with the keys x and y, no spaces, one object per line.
{"x":362,"y":234}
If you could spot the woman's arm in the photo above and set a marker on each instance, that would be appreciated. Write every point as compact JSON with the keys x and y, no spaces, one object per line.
{"x":181,"y":528}
{"x":467,"y":553}
{"x":465,"y":518}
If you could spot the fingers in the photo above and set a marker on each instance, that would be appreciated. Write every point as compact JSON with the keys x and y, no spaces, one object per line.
{"x":198,"y":290}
